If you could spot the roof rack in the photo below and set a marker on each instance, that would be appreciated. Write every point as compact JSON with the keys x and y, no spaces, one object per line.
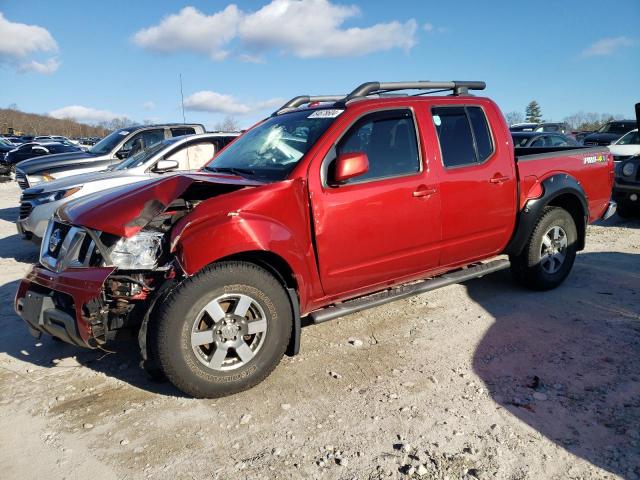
{"x":459,"y":87}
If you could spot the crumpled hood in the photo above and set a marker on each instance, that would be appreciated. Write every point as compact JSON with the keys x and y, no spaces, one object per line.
{"x":47,"y":162}
{"x":125,"y":210}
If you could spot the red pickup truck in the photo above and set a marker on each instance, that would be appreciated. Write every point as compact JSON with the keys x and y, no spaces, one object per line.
{"x":332,"y":205}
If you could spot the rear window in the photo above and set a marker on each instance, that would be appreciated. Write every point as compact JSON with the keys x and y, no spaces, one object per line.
{"x":177,"y":132}
{"x":481,"y":132}
{"x":464,"y":136}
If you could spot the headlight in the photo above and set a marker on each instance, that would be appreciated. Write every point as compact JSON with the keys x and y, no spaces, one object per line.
{"x":55,"y":196}
{"x":139,"y":252}
{"x":35,"y":179}
{"x":627,"y":169}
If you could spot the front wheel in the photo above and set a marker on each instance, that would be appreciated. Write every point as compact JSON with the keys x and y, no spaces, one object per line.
{"x":548,"y":256}
{"x":223,"y":330}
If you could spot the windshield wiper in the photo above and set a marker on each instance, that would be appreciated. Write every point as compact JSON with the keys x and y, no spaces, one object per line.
{"x":242,"y":172}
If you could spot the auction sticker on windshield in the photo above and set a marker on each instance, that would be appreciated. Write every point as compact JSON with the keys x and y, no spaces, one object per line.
{"x":326,"y":113}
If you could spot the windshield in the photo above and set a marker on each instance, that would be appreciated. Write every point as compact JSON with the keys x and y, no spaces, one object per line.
{"x":631,"y":138}
{"x":108,"y":143}
{"x":616,"y":127}
{"x":272,"y":149}
{"x":143,"y":156}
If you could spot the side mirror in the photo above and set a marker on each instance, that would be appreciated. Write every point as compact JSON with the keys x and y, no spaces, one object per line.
{"x":165,"y":166}
{"x":350,"y":165}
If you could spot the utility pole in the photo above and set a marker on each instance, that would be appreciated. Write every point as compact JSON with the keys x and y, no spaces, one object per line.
{"x":182,"y":100}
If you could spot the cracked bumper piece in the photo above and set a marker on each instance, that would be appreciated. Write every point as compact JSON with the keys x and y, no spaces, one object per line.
{"x":611,"y":209}
{"x":58,"y":304}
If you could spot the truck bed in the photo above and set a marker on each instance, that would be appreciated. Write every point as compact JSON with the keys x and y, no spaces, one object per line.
{"x":587,"y":165}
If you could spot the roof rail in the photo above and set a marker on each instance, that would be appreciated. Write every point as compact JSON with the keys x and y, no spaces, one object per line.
{"x":304,"y":99}
{"x":459,"y":87}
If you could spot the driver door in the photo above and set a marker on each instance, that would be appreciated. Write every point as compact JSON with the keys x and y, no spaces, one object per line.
{"x":384,"y":225}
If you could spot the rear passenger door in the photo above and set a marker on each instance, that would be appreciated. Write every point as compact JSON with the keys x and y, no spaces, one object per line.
{"x":477,"y":184}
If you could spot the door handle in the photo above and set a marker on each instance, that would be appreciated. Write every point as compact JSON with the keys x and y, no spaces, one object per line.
{"x":424,"y":191}
{"x":499,"y":179}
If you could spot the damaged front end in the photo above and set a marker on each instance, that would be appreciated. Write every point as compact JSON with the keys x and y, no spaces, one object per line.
{"x":105,"y":260}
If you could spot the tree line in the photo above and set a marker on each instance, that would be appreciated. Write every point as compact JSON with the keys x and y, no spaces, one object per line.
{"x":24,"y":123}
{"x":580,"y":121}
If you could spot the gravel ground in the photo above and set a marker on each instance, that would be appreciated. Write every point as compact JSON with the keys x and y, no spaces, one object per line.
{"x":482,"y":380}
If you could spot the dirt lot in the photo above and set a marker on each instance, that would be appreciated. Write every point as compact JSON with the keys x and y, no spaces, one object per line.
{"x":482,"y":380}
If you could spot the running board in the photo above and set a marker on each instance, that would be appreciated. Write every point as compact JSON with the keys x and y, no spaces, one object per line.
{"x":404,"y":291}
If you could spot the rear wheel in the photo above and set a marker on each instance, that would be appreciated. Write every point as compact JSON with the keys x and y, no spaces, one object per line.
{"x":548,"y":256}
{"x":223,"y":330}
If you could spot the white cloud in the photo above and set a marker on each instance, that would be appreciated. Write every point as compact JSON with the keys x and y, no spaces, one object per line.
{"x":18,"y":41}
{"x":312,"y":28}
{"x":149,"y":105}
{"x":192,"y":30}
{"x":245,"y":57}
{"x":607,"y":46}
{"x":44,"y":68}
{"x":303,"y":28}
{"x":84,"y":114}
{"x":431,"y":28}
{"x":208,"y":101}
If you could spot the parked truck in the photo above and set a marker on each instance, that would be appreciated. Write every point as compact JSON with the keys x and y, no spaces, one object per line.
{"x":332,"y":205}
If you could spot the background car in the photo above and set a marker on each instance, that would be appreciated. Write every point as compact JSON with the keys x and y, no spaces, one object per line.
{"x":537,"y":139}
{"x":609,"y":133}
{"x":185,"y":153}
{"x":552,"y":127}
{"x":37,"y":149}
{"x":626,"y":189}
{"x":109,"y":151}
{"x":523,"y":127}
{"x":5,"y":147}
{"x":55,"y":138}
{"x":626,"y":146}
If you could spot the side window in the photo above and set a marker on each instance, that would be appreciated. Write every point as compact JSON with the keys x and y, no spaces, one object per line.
{"x":464,"y":135}
{"x":454,"y":135}
{"x":389,"y":140}
{"x":558,"y":141}
{"x":143,"y":140}
{"x":538,"y":142}
{"x":180,"y":156}
{"x":177,"y":132}
{"x":200,"y":154}
{"x":484,"y":143}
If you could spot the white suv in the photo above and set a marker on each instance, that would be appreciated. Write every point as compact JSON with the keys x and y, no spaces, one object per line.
{"x":185,"y":153}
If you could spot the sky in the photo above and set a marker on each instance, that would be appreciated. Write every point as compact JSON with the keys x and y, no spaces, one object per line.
{"x":93,"y":61}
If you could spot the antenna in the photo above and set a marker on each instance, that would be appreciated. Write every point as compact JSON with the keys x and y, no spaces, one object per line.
{"x":182,"y":100}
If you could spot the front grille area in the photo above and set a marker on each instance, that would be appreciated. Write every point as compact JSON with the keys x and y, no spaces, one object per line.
{"x":25,"y":210}
{"x":602,"y":143}
{"x":65,"y":246}
{"x":21,"y":178}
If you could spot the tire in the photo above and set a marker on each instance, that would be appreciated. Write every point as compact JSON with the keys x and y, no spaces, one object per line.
{"x":627,"y":210}
{"x":223,"y":330}
{"x":548,"y":256}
